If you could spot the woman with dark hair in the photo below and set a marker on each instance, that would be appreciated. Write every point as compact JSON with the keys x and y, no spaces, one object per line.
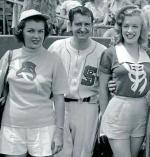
{"x":128,"y":64}
{"x":31,"y":123}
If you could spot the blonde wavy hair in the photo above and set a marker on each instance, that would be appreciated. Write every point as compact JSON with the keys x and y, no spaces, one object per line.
{"x":131,"y":10}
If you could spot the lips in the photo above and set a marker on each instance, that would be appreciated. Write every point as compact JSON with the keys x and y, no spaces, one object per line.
{"x":83,"y":33}
{"x":130,"y":36}
{"x":35,"y":41}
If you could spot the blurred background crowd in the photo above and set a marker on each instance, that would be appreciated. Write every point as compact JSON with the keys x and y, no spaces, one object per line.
{"x":104,"y":12}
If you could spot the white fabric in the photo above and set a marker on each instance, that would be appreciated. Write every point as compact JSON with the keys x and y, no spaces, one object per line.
{"x":18,"y":141}
{"x":28,"y":13}
{"x":75,"y":62}
{"x":125,"y":117}
{"x":124,"y":56}
{"x":32,"y":77}
{"x":81,"y":119}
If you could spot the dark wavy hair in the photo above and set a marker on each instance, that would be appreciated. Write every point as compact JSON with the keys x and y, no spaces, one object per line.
{"x":131,"y":10}
{"x":18,"y":31}
{"x":80,"y":10}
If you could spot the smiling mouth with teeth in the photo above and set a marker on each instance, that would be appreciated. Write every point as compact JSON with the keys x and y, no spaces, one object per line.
{"x":130,"y":36}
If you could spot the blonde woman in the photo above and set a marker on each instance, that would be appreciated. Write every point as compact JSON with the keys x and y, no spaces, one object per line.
{"x":124,"y":116}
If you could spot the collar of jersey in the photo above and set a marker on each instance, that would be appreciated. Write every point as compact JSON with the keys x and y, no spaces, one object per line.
{"x":124,"y":56}
{"x":28,"y":51}
{"x":82,"y":52}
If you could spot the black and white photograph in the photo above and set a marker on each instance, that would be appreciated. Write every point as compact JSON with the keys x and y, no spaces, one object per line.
{"x":74,"y":78}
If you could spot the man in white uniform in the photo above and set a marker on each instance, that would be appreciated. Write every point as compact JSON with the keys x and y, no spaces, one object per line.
{"x":80,"y":56}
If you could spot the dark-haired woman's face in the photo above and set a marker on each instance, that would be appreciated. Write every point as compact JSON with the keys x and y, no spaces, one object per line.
{"x":33,"y":34}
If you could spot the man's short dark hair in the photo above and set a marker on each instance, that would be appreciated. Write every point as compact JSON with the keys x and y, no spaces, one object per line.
{"x":80,"y":10}
{"x":18,"y":32}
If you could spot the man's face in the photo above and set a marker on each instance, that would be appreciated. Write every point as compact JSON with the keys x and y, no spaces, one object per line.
{"x":81,"y":27}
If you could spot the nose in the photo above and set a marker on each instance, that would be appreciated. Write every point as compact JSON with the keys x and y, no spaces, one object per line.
{"x":83,"y":28}
{"x":130,"y":29}
{"x":36,"y":34}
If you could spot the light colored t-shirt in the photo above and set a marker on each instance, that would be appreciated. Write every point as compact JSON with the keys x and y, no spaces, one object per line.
{"x":32,"y":77}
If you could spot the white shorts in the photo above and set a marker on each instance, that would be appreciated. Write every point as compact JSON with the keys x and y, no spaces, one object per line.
{"x":125,"y":117}
{"x":18,"y":141}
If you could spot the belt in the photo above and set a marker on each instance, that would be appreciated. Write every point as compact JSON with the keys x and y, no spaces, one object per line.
{"x":78,"y":100}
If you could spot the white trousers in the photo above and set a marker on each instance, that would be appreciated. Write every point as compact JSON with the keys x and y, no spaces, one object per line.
{"x":80,"y":127}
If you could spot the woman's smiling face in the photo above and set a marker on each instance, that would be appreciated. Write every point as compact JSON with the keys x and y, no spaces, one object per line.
{"x":33,"y":33}
{"x":131,"y":29}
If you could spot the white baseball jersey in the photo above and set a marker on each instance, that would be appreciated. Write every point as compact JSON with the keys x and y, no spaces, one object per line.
{"x":82,"y":67}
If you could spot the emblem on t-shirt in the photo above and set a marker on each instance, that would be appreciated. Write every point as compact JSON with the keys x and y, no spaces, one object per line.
{"x":27,"y":71}
{"x":137,"y":76}
{"x":89,"y":76}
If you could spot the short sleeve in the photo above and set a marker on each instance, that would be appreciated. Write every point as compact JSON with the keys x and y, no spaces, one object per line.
{"x":59,"y":83}
{"x":106,"y":61}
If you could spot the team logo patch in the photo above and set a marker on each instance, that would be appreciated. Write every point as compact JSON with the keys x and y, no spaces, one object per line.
{"x":137,"y":76}
{"x":27,"y":71}
{"x":89,"y":75}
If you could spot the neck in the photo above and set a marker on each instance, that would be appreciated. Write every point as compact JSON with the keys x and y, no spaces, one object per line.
{"x":132,"y":46}
{"x":133,"y":49}
{"x":80,"y":44}
{"x":29,"y":50}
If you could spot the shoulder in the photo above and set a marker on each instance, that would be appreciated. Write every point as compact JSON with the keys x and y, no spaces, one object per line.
{"x":107,"y":60}
{"x":15,"y":52}
{"x":97,"y":48}
{"x":52,"y":58}
{"x":58,"y":44}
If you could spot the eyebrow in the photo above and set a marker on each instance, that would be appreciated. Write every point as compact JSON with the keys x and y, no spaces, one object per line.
{"x":34,"y":28}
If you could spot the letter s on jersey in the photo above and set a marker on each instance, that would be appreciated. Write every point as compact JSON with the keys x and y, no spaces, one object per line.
{"x":89,"y":76}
